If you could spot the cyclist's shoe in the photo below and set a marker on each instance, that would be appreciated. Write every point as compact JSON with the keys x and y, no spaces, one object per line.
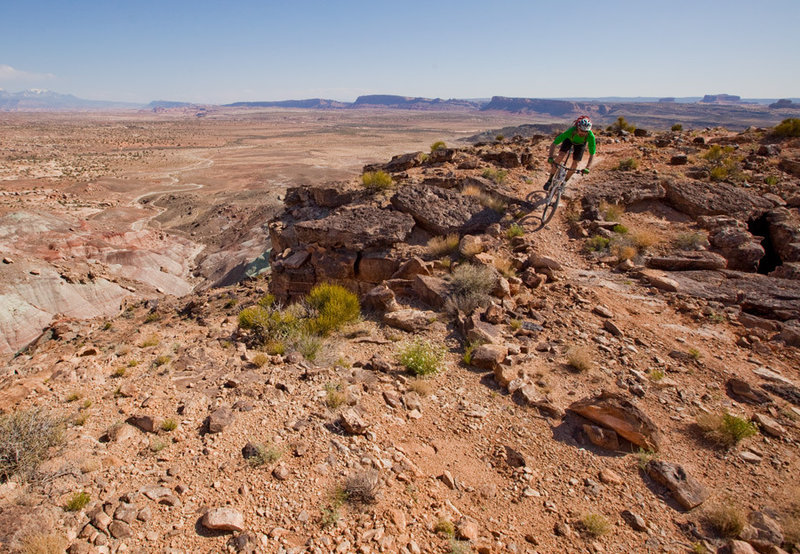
{"x":548,"y":183}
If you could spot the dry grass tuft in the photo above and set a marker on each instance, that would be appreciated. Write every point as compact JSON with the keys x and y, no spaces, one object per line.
{"x":44,"y":543}
{"x":726,"y":518}
{"x":363,"y":486}
{"x":421,"y":386}
{"x":595,"y":525}
{"x":580,"y":358}
{"x":26,"y":437}
{"x":439,"y":246}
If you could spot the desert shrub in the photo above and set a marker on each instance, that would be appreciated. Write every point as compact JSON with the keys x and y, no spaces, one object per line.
{"x":265,"y":454}
{"x":689,"y":241}
{"x":376,"y":180}
{"x":624,"y":251}
{"x":771,"y":180}
{"x":73,"y":396}
{"x":273,"y":347}
{"x":308,"y":345}
{"x":644,"y":238}
{"x":267,"y":324}
{"x":445,"y":527}
{"x":694,"y":354}
{"x":620,"y":229}
{"x":496,"y":175}
{"x":119,"y":372}
{"x":470,"y":287}
{"x":505,"y":266}
{"x":788,"y":128}
{"x":722,"y":163}
{"x":363,"y":486}
{"x":334,"y":397}
{"x":162,"y":360}
{"x":579,"y":358}
{"x":656,"y":374}
{"x":628,"y":164}
{"x":421,"y":357}
{"x":26,"y":437}
{"x":335,"y":307}
{"x":77,"y":501}
{"x":611,"y":212}
{"x":514,"y":230}
{"x":441,"y":245}
{"x":726,"y":518}
{"x":44,"y":543}
{"x":621,"y":125}
{"x":596,"y":243}
{"x":677,"y":127}
{"x":260,"y":359}
{"x":725,"y":429}
{"x":595,"y":525}
{"x":330,"y":510}
{"x":500,"y":138}
{"x":643,"y":457}
{"x":438,"y":145}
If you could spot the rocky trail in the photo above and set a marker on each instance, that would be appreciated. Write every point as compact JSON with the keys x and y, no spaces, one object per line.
{"x":581,"y":368}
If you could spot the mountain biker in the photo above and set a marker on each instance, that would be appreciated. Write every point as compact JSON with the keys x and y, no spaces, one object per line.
{"x":576,"y":137}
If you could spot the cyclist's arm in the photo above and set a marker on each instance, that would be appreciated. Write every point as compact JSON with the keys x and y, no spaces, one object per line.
{"x":589,"y":163}
{"x":592,"y":144}
{"x":558,"y":140}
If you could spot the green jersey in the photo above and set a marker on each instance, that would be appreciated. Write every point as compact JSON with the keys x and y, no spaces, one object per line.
{"x":575,"y":138}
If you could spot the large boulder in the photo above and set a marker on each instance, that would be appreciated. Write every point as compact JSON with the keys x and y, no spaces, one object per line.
{"x":696,"y":198}
{"x":689,"y":492}
{"x":442,"y":211}
{"x":356,"y":228}
{"x":742,"y":250}
{"x":784,"y":232}
{"x":617,"y":413}
{"x":687,"y":260}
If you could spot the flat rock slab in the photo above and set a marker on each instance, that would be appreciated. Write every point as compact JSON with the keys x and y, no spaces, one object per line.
{"x":697,"y":198}
{"x":686,"y":490}
{"x":357,"y":228}
{"x":615,"y":412}
{"x":409,"y":319}
{"x":687,"y":261}
{"x":223,"y":519}
{"x":443,"y":211}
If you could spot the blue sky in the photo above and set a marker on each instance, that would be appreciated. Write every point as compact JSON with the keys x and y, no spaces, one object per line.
{"x":217,"y":52}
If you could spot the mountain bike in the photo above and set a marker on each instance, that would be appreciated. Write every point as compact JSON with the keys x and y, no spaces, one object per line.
{"x":557,"y":186}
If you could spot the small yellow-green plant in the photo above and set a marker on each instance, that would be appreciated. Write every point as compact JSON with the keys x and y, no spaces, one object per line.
{"x":119,"y":372}
{"x":77,"y":501}
{"x":620,"y":229}
{"x":330,"y":510}
{"x":334,"y":397}
{"x":265,"y":454}
{"x":515,"y":324}
{"x":628,"y":164}
{"x":169,"y":424}
{"x":151,"y":317}
{"x":643,"y":457}
{"x":376,"y":180}
{"x":162,"y":360}
{"x":335,"y":307}
{"x":157,"y":445}
{"x":595,"y":525}
{"x":496,"y":175}
{"x":421,"y":386}
{"x":771,"y":180}
{"x":689,"y":241}
{"x":656,"y":374}
{"x":621,"y":125}
{"x":73,"y":396}
{"x":438,"y":145}
{"x":694,"y":354}
{"x":514,"y":230}
{"x":260,"y":359}
{"x":445,"y":527}
{"x":133,"y":363}
{"x":677,"y":127}
{"x":611,"y":212}
{"x":596,"y":243}
{"x":422,"y":358}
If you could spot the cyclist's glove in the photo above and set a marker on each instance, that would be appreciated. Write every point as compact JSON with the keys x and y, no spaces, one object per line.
{"x":585,"y":171}
{"x":550,"y":160}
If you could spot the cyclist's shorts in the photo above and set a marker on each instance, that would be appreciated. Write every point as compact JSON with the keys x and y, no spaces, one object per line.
{"x":577,"y":149}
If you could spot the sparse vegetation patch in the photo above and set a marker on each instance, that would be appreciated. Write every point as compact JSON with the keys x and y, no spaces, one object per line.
{"x":422,"y":358}
{"x":725,"y":429}
{"x":376,"y":180}
{"x":26,"y":437}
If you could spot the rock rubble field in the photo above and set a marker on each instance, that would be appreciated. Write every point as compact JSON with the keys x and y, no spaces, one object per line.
{"x":624,"y":379}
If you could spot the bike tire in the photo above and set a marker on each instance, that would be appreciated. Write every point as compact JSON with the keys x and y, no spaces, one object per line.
{"x":550,"y":208}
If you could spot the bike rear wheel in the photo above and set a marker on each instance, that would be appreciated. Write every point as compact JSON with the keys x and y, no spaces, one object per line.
{"x":551,"y":206}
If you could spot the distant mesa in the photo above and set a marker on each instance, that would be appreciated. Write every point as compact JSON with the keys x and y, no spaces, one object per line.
{"x":668,"y":100}
{"x":541,"y":105}
{"x":785,"y":103}
{"x":46,"y":100}
{"x":413,"y":103}
{"x":721,"y":99}
{"x":168,"y":104}
{"x":309,"y":103}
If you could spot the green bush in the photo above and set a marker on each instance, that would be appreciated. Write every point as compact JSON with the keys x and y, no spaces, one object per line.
{"x":376,"y":180}
{"x":788,"y":128}
{"x":496,"y":175}
{"x":26,"y":437}
{"x":438,"y":145}
{"x":621,"y":125}
{"x":677,"y":127}
{"x":597,"y":243}
{"x":620,"y":229}
{"x":628,"y":164}
{"x":267,"y":323}
{"x":335,"y":307}
{"x":422,"y":358}
{"x":595,"y":525}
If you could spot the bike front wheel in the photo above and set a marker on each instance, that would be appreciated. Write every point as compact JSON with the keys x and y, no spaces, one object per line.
{"x":550,"y":207}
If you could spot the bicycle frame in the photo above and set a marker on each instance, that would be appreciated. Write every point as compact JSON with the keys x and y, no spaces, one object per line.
{"x":557,"y":186}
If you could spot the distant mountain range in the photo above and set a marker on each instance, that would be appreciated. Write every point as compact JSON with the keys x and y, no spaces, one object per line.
{"x":44,"y":100}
